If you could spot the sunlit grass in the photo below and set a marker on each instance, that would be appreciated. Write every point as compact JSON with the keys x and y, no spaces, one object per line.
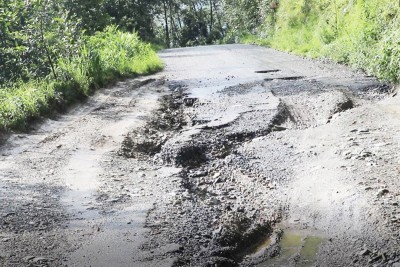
{"x":105,"y":57}
{"x":24,"y":101}
{"x":363,"y":34}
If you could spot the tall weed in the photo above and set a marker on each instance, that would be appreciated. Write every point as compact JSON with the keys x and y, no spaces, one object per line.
{"x":363,"y":34}
{"x":101,"y":59}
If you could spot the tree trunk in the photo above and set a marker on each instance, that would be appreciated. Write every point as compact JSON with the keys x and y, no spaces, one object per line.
{"x":167,"y":39}
{"x":172,"y":24}
{"x":211,"y":16}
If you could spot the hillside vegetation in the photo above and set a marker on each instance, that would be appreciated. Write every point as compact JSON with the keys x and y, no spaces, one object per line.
{"x":364,"y":34}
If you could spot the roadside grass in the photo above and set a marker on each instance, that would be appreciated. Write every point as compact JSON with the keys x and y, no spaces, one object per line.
{"x":254,"y":39}
{"x":104,"y":58}
{"x":359,"y":33}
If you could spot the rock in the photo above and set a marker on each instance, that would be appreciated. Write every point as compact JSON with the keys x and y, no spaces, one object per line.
{"x":40,"y":260}
{"x":28,"y":258}
{"x":365,"y":252}
{"x":382,"y":192}
{"x":218,"y":174}
{"x":199,"y":174}
{"x":114,"y":200}
{"x":213,"y":201}
{"x":218,"y":180}
{"x":396,"y":264}
{"x":8,"y":214}
{"x":240,"y":209}
{"x":374,"y":259}
{"x":6,"y":239}
{"x":277,"y":128}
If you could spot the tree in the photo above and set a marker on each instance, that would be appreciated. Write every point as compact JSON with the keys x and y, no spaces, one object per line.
{"x":34,"y":34}
{"x":91,"y":14}
{"x":135,"y":15}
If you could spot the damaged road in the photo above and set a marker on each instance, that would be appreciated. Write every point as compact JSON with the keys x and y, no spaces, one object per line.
{"x":233,"y":156}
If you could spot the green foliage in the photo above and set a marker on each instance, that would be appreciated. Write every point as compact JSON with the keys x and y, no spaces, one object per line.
{"x":246,"y":18}
{"x":135,"y":16}
{"x":363,"y":34}
{"x":189,"y":22}
{"x":106,"y":56}
{"x":24,"y":101}
{"x":53,"y":52}
{"x":254,"y":39}
{"x":33,"y":35}
{"x":101,"y":59}
{"x":91,"y":14}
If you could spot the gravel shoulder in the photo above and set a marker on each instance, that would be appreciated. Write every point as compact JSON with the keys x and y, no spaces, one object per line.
{"x":233,"y":156}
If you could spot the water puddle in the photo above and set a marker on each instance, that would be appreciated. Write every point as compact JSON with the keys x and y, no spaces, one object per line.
{"x":297,"y":248}
{"x":290,"y":244}
{"x":308,"y":253}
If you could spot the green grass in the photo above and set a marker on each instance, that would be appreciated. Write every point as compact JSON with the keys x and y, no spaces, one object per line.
{"x":254,"y":39}
{"x":360,"y":33}
{"x":24,"y":101}
{"x":104,"y":58}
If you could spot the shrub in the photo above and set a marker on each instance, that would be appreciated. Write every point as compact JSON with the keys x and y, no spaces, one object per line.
{"x":363,"y":34}
{"x":101,"y":59}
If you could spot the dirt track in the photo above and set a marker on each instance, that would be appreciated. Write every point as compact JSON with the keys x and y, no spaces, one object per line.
{"x":233,"y":156}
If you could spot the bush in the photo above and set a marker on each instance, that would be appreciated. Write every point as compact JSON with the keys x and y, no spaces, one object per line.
{"x":363,"y":34}
{"x":24,"y":101}
{"x":106,"y":56}
{"x":101,"y":59}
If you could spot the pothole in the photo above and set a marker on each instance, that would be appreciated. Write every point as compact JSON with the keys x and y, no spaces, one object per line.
{"x":190,"y":101}
{"x":309,"y":109}
{"x":286,"y":248}
{"x":169,"y":118}
{"x":281,"y":116}
{"x":190,"y":156}
{"x":345,"y":104}
{"x":267,"y":71}
{"x":239,"y":237}
{"x":291,"y":78}
{"x":137,"y":145}
{"x":287,"y":78}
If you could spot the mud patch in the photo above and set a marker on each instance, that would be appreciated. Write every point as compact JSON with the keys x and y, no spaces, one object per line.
{"x":170,"y":115}
{"x":139,"y":145}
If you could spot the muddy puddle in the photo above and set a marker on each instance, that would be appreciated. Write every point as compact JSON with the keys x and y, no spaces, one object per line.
{"x":296,"y":248}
